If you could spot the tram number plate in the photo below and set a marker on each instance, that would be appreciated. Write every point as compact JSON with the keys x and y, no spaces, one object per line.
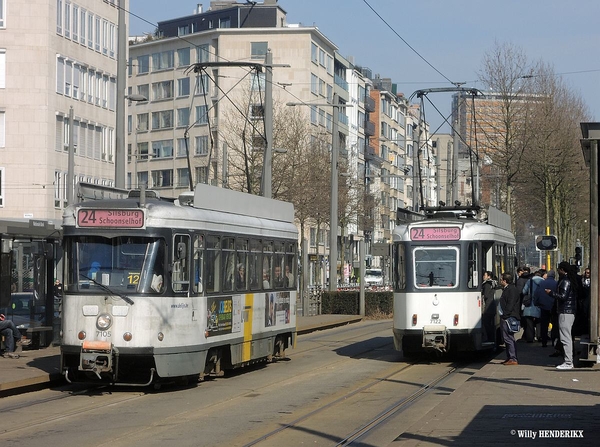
{"x":436,"y":321}
{"x":103,"y":333}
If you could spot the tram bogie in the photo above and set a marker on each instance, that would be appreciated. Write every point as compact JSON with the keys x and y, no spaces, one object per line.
{"x":439,"y":260}
{"x":157,"y":291}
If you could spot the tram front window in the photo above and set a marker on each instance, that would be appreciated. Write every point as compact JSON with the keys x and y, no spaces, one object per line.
{"x":121,"y":264}
{"x":435,"y":267}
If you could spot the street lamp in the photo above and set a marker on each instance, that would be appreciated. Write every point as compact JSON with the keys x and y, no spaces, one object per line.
{"x":334,"y":185}
{"x":134,"y":152}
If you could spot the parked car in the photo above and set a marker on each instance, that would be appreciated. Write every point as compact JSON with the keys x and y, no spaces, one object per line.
{"x":25,"y":311}
{"x":373,"y":277}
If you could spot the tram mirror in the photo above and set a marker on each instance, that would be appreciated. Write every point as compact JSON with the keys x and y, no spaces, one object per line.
{"x":181,"y":250}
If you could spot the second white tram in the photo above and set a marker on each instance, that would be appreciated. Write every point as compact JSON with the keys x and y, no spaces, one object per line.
{"x":439,"y":260}
{"x":156,"y":289}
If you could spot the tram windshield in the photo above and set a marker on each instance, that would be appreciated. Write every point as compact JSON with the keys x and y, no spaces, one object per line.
{"x":120,"y":264}
{"x":435,"y":267}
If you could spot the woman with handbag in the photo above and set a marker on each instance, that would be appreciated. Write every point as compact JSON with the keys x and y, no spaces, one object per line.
{"x":510,"y":311}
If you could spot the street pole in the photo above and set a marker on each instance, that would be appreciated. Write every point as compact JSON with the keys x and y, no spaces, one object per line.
{"x":334,"y":197}
{"x":71,"y":161}
{"x":120,"y":150}
{"x":361,"y":274}
{"x":268,"y":115}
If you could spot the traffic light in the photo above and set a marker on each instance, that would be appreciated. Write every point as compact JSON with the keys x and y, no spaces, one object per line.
{"x":579,"y":256}
{"x":546,"y":243}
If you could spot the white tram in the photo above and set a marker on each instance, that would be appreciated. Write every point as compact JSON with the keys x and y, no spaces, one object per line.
{"x":439,"y":260}
{"x":158,"y":289}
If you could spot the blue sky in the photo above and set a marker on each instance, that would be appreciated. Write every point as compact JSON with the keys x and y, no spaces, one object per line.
{"x":453,"y":36}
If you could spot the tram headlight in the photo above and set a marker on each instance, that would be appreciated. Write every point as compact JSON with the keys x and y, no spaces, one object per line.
{"x":455,"y":319}
{"x":103,"y":322}
{"x":81,"y":335}
{"x":161,"y":336}
{"x":127,"y":336}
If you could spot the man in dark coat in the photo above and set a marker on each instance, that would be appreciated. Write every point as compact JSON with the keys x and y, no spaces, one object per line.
{"x":509,"y":307}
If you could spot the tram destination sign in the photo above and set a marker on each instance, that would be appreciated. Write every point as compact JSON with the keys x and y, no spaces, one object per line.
{"x":112,"y":218}
{"x":435,"y":234}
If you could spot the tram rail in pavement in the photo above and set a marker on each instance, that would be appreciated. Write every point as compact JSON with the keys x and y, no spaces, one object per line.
{"x":497,"y":405}
{"x":40,"y":368}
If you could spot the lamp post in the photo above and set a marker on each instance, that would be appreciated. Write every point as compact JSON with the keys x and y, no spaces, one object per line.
{"x":134,"y":151}
{"x":333,"y":219}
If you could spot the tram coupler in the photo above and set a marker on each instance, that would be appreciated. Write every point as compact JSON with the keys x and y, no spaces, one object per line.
{"x":96,"y":357}
{"x":435,"y":337}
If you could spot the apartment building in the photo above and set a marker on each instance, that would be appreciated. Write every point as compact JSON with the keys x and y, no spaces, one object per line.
{"x":55,"y":56}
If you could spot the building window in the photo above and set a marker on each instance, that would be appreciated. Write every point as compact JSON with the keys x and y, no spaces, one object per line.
{"x":183,"y":87}
{"x":142,"y":122}
{"x":162,"y":178}
{"x":314,"y":84}
{"x":144,"y":90}
{"x":183,"y":117}
{"x":75,"y":28}
{"x":82,"y":23}
{"x":162,"y":149}
{"x":59,"y":14}
{"x":2,"y":129}
{"x":258,"y":50}
{"x":202,"y":174}
{"x":58,"y":188}
{"x":162,"y":119}
{"x":202,"y":86}
{"x":143,"y":63}
{"x":67,"y":21}
{"x":201,"y":145}
{"x":183,"y":177}
{"x":162,"y":90}
{"x":183,"y":30}
{"x":2,"y":67}
{"x":1,"y":176}
{"x":181,"y":147}
{"x":183,"y":57}
{"x":97,"y":33}
{"x":201,"y":115}
{"x":225,"y":22}
{"x":2,"y":14}
{"x":163,"y":60}
{"x":203,"y":53}
{"x":90,"y":32}
{"x":257,"y":82}
{"x":314,"y":52}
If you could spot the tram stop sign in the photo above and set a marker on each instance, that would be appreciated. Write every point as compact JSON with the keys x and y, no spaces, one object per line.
{"x":546,"y":243}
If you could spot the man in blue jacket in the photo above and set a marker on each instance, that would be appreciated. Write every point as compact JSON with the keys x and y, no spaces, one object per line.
{"x":545,"y":302}
{"x":510,"y":306}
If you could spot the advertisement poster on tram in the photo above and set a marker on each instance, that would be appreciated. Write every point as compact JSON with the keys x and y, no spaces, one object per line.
{"x":222,"y":315}
{"x":277,"y":308}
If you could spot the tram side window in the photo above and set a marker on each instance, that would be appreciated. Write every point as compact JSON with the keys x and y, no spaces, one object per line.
{"x":241,"y":277}
{"x":180,"y":275}
{"x":229,"y":267}
{"x":400,"y":267}
{"x":278,"y":265}
{"x":436,"y":267}
{"x":473,"y":266}
{"x":255,"y":265}
{"x":197,"y":259}
{"x":213,"y":264}
{"x":267,"y":264}
{"x":290,"y":265}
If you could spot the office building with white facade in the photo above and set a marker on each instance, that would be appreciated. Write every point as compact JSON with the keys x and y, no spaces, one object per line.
{"x":55,"y":56}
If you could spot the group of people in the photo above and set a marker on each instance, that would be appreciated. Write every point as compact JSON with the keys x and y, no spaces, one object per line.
{"x":536,"y":300}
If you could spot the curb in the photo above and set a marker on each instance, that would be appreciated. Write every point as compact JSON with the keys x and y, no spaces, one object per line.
{"x":322,"y":326}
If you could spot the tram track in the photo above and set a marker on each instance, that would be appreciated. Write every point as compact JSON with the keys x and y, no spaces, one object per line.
{"x":117,"y":396}
{"x":300,"y":424}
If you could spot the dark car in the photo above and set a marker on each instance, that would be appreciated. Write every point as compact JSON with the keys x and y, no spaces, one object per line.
{"x":25,"y":310}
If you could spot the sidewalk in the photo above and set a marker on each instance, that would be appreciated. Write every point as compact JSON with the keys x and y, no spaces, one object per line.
{"x":40,"y":368}
{"x":525,"y":404}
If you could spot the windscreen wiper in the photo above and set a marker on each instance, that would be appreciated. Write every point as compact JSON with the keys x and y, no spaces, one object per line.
{"x":107,"y":289}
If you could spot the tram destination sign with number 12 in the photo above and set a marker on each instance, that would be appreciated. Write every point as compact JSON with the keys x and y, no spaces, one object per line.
{"x":114,"y":218}
{"x":435,"y":234}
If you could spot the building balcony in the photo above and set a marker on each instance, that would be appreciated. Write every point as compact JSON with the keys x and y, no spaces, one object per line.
{"x":369,"y":104}
{"x":370,"y":129}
